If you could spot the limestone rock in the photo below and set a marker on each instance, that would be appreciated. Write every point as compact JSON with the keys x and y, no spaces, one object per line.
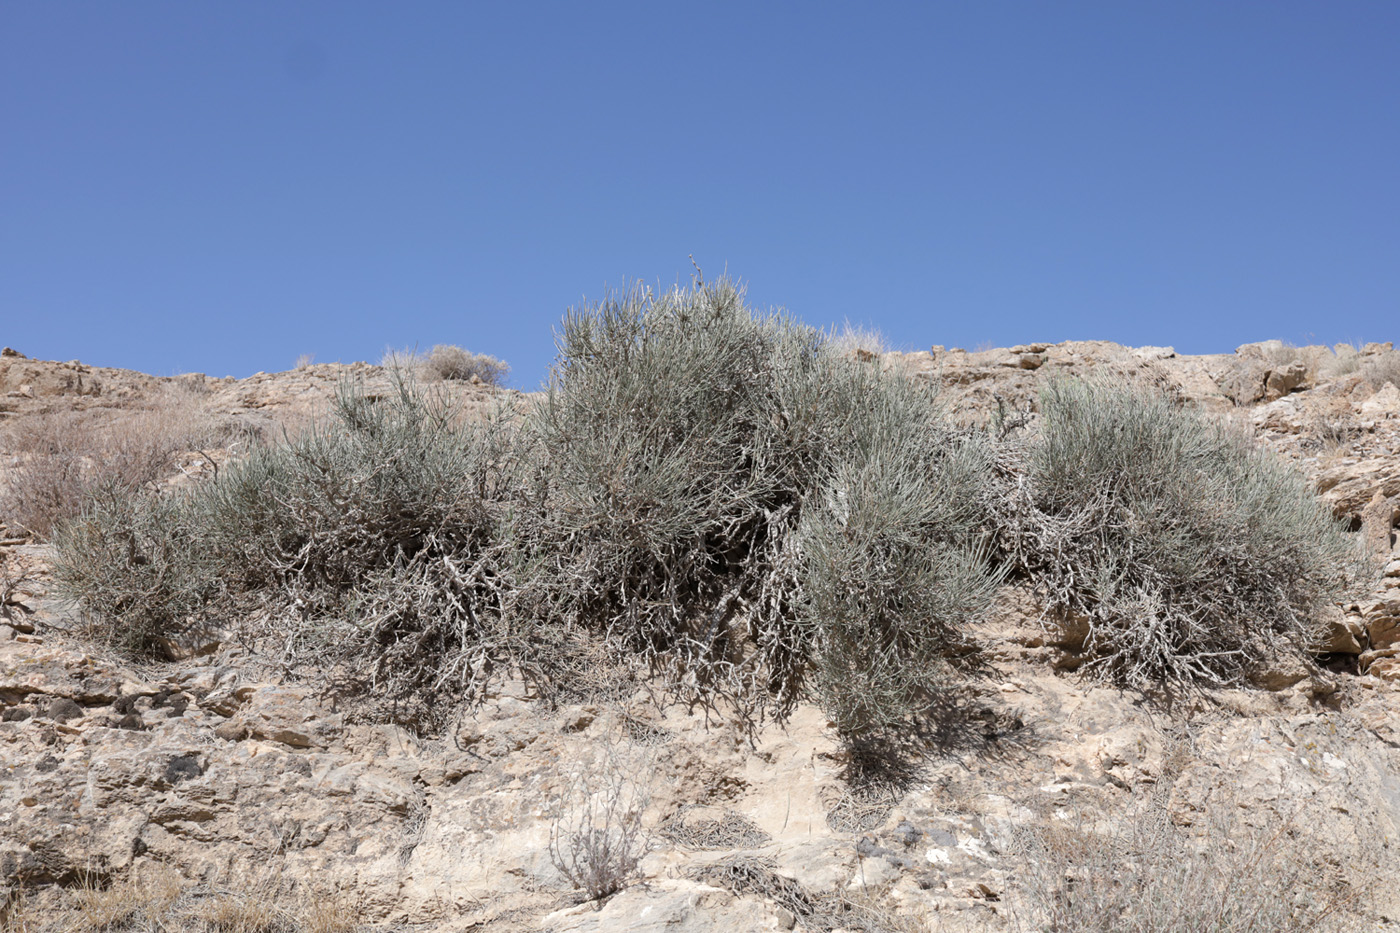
{"x":670,"y":906}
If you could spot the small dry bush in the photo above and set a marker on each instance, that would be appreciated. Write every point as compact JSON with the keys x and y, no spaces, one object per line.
{"x":598,"y":839}
{"x":65,"y":458}
{"x":1382,"y":368}
{"x":1141,"y":873}
{"x":446,"y":362}
{"x":451,"y":362}
{"x":1192,"y":553}
{"x":14,"y":576}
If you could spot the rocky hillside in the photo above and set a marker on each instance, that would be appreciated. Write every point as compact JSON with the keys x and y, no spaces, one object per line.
{"x":245,"y":797}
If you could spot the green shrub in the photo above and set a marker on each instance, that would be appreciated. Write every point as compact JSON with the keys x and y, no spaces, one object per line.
{"x":385,"y":478}
{"x":890,"y":571}
{"x":378,"y":529}
{"x":682,"y":441}
{"x":368,"y":541}
{"x":719,"y":494}
{"x":128,"y":562}
{"x":1192,"y":553}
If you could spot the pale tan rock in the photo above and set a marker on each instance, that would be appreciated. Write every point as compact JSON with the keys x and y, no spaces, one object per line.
{"x":1350,"y":485}
{"x":670,"y":906}
{"x":1343,"y":633}
{"x":1376,"y":521}
{"x":1385,"y":403}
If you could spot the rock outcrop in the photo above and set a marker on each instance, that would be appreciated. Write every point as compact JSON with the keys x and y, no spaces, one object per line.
{"x":222,"y":765}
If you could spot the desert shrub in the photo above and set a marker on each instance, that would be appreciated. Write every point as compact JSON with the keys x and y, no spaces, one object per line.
{"x":450,"y":362}
{"x":682,"y":440}
{"x":367,"y":540}
{"x":65,"y":458}
{"x":891,"y":574}
{"x":723,"y":495}
{"x":376,"y":530}
{"x":1191,"y":553}
{"x":382,"y":479}
{"x":129,"y":563}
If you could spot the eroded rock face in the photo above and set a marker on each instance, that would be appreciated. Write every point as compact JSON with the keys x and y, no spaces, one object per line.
{"x":459,"y":829}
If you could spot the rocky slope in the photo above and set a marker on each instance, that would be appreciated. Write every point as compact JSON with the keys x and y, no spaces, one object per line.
{"x":224,"y":767}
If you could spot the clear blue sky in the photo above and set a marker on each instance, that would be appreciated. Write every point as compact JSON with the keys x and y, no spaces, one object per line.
{"x":220,"y":187}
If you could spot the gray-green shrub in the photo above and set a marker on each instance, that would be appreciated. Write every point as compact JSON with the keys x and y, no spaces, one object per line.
{"x":368,"y":541}
{"x":1192,"y":553}
{"x":891,"y":570}
{"x":681,"y":443}
{"x":128,"y":562}
{"x":720,"y":494}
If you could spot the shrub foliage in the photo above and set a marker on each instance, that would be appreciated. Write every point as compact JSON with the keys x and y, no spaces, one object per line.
{"x":713,"y":483}
{"x":730,"y":498}
{"x":1192,"y":553}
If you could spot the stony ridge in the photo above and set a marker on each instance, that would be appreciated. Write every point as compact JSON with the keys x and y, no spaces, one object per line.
{"x":222,"y":765}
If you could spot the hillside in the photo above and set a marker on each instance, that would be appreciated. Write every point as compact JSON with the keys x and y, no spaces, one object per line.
{"x":228,"y":786}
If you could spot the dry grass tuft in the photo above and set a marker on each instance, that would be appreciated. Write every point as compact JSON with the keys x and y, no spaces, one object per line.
{"x":1382,"y":368}
{"x":63,"y":459}
{"x":162,"y":902}
{"x":1143,"y":872}
{"x":854,"y":340}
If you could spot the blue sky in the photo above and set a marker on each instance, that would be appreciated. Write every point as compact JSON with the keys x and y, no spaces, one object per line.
{"x":220,"y":188}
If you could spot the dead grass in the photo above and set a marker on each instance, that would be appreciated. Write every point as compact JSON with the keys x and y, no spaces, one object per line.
{"x":163,"y":902}
{"x":696,"y":827}
{"x":62,"y":458}
{"x":1375,"y":363}
{"x":864,"y":343}
{"x":1382,"y":368}
{"x":1233,"y":872}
